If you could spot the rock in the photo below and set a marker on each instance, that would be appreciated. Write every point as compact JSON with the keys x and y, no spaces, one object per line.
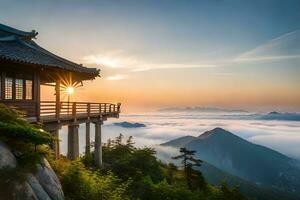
{"x":23,"y":191}
{"x":49,"y":181}
{"x":37,"y":188}
{"x":7,"y":159}
{"x":43,"y":185}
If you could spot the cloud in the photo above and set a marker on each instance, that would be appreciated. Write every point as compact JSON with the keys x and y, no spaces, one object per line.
{"x":116,"y":77}
{"x":112,"y":59}
{"x":282,"y":136}
{"x":121,"y":59}
{"x":147,"y":67}
{"x":286,"y":46}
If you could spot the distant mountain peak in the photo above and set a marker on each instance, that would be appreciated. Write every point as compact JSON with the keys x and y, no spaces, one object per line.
{"x":274,"y":113}
{"x":129,"y":125}
{"x":215,"y":131}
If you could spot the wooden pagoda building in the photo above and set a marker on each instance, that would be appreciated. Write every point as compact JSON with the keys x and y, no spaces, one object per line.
{"x":25,"y":66}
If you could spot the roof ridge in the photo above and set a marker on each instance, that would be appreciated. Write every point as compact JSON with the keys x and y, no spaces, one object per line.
{"x":15,"y":31}
{"x":18,"y":46}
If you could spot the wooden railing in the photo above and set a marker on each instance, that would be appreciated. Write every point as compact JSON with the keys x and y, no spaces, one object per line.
{"x":76,"y":109}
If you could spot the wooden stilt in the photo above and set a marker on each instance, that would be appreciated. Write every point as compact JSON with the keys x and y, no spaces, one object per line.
{"x":73,"y":142}
{"x":87,"y":138}
{"x":98,"y":145}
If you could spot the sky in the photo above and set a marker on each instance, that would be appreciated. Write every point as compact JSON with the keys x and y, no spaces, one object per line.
{"x":155,"y":54}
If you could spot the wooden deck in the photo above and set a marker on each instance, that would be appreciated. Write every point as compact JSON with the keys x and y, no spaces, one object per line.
{"x":66,"y":112}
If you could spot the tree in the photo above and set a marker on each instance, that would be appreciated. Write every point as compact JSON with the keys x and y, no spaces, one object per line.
{"x":171,"y":170}
{"x":194,"y":179}
{"x":130,"y":143}
{"x":119,"y":139}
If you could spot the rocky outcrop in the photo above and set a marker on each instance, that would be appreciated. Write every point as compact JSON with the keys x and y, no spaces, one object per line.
{"x":49,"y":181}
{"x":42,"y":185}
{"x":7,"y":159}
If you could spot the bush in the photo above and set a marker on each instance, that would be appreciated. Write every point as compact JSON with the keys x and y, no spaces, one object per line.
{"x":163,"y":190}
{"x":27,"y":141}
{"x":80,"y":183}
{"x":127,"y":161}
{"x":15,"y":130}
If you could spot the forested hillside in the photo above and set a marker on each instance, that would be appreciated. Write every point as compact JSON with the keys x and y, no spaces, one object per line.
{"x":134,"y":173}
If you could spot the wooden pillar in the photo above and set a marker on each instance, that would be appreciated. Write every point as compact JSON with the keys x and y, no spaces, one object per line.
{"x":73,"y":142}
{"x":87,"y":138}
{"x":3,"y":75}
{"x":98,"y":144}
{"x":57,"y":99}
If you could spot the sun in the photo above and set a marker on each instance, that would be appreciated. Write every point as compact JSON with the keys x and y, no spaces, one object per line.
{"x":70,"y":90}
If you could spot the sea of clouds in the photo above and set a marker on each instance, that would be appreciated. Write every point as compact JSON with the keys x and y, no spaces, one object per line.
{"x":282,"y":136}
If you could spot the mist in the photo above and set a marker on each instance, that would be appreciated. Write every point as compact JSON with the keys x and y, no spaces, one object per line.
{"x":282,"y":136}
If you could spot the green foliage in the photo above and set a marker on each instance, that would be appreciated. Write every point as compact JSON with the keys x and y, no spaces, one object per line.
{"x":145,"y":177}
{"x":14,"y":128}
{"x":80,"y":183}
{"x":230,"y":193}
{"x":194,"y":179}
{"x":126,"y":161}
{"x":163,"y":190}
{"x":27,"y":141}
{"x":24,"y":138}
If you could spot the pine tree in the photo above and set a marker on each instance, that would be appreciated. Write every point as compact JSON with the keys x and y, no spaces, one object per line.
{"x":119,"y":139}
{"x":130,"y":143}
{"x":194,"y":178}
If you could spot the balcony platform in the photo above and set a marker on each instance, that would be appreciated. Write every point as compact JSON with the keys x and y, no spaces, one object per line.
{"x":65,"y":113}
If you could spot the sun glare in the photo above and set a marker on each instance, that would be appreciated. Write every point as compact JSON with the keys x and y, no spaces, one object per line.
{"x":70,"y":90}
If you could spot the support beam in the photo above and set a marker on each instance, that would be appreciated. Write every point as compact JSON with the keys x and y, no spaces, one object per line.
{"x":73,"y":142}
{"x":98,"y":144}
{"x":57,"y":97}
{"x":87,"y":138}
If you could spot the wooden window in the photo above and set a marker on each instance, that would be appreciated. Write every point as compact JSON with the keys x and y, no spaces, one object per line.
{"x":28,"y":86}
{"x":19,"y":89}
{"x":8,"y":87}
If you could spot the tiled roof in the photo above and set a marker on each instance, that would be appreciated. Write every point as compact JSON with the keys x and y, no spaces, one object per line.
{"x":18,"y":46}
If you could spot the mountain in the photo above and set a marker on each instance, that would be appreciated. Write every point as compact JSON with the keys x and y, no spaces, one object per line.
{"x":129,"y":125}
{"x":281,"y":116}
{"x":215,"y":176}
{"x":180,"y":142}
{"x":262,"y":166}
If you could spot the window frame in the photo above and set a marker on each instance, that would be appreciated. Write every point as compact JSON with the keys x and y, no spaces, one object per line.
{"x":21,"y":88}
{"x":15,"y":76}
{"x":6,"y":88}
{"x":25,"y":88}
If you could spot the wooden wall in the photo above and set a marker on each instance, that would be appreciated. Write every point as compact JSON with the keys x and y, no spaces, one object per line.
{"x":29,"y":107}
